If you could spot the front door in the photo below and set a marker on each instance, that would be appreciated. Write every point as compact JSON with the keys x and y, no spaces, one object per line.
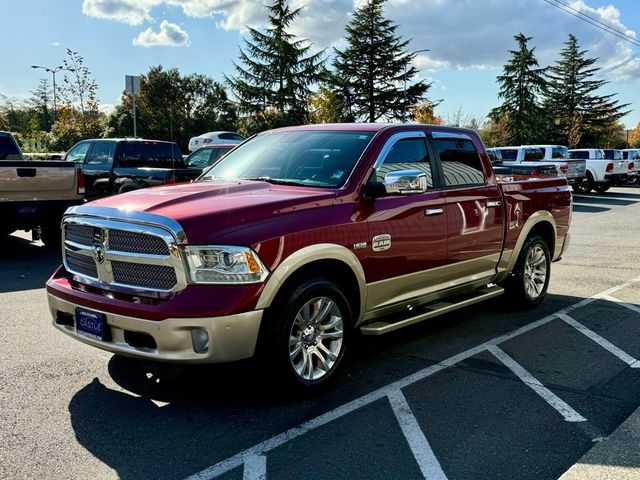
{"x":97,"y":169}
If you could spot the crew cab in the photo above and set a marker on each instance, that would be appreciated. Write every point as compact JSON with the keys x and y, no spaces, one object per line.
{"x":556,"y":155}
{"x":35,"y":194}
{"x":300,"y":236}
{"x":602,"y":173}
{"x":118,"y":165}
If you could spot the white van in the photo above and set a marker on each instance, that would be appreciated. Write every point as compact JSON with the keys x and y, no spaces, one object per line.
{"x":602,"y":174}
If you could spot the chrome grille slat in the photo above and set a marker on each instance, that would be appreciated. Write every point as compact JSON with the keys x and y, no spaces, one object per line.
{"x":134,"y":242}
{"x":82,"y":264}
{"x":82,"y":234}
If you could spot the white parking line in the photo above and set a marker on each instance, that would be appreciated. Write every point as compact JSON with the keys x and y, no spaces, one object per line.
{"x":294,"y":432}
{"x":569,"y":414}
{"x":603,"y":342}
{"x":422,"y":452}
{"x":622,"y":303}
{"x":255,"y":468}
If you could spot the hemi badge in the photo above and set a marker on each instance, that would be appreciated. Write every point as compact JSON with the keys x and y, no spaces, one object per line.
{"x":359,"y":245}
{"x":381,"y":242}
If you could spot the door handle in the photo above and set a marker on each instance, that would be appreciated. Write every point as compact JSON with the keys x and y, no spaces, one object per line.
{"x":433,"y":211}
{"x":493,"y":203}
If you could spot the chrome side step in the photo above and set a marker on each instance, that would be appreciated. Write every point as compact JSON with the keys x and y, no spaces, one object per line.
{"x":395,"y":322}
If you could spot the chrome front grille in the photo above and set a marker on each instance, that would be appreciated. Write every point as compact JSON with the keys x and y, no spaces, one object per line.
{"x":118,"y":254}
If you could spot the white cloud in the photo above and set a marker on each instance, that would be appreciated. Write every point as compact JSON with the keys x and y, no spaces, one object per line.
{"x":107,"y":108}
{"x":459,"y":33}
{"x":169,"y":35}
{"x":54,"y":44}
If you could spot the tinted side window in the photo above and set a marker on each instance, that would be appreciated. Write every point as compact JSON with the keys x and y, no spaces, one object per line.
{"x":101,"y":153}
{"x":460,"y":161}
{"x":77,"y":153}
{"x":407,"y":154}
{"x":579,"y":155}
{"x":509,"y":153}
{"x":199,"y":159}
{"x":150,"y":154}
{"x":8,"y":149}
{"x":533,"y":154}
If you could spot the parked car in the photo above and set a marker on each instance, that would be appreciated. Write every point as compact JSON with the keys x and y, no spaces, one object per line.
{"x":206,"y":156}
{"x":573,"y":170}
{"x":632,"y":155}
{"x":118,"y":165}
{"x":213,"y":138}
{"x":534,"y":170}
{"x":35,"y":194}
{"x":602,"y":173}
{"x":301,"y":235}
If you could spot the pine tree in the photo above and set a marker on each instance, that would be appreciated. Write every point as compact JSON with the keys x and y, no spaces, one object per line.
{"x":577,"y":115}
{"x":39,"y":101}
{"x":278,"y":70}
{"x":521,"y":83}
{"x":374,"y":68}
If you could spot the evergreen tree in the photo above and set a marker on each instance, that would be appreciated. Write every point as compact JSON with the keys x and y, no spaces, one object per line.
{"x":374,"y":68}
{"x":278,"y":69}
{"x":521,"y":83}
{"x":577,"y":115}
{"x":39,"y":101}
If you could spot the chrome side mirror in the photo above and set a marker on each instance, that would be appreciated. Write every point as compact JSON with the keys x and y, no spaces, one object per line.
{"x":405,"y":182}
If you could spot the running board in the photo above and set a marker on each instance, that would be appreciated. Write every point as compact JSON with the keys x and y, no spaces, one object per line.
{"x":394,"y":322}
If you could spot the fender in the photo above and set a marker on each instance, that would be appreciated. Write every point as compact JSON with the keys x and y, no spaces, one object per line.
{"x":305,"y":256}
{"x":508,"y":261}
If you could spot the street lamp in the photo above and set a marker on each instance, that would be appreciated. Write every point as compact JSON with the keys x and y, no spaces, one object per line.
{"x":404,"y":90}
{"x":53,"y":72}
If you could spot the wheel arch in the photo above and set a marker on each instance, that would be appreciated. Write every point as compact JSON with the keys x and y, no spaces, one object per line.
{"x":332,"y":261}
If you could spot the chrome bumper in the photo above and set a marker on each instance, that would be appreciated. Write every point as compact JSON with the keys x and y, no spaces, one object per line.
{"x":231,"y":337}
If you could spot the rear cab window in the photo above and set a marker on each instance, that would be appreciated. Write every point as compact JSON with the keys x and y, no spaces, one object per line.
{"x":461,"y":163}
{"x":149,"y":154}
{"x":509,"y":154}
{"x":8,"y":148}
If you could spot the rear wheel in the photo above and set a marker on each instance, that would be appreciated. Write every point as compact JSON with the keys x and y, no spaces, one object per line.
{"x":601,"y":187}
{"x":527,"y":286}
{"x":309,"y":333}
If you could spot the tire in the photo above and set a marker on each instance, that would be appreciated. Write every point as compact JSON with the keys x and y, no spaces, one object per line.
{"x":317,"y":314}
{"x":583,"y":187}
{"x":521,"y":288}
{"x":51,"y":237}
{"x":601,"y":188}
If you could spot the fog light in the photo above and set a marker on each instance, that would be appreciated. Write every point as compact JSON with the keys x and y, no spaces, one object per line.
{"x":200,"y":340}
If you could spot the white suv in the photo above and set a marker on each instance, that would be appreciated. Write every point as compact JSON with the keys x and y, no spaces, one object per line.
{"x":215,"y":138}
{"x":602,"y":174}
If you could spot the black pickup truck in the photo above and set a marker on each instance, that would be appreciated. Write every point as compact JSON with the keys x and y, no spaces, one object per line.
{"x":117,"y":165}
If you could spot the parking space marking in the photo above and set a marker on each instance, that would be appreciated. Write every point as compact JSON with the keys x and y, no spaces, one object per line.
{"x":255,"y":468}
{"x":261,"y":448}
{"x":603,"y":342}
{"x":418,"y":443}
{"x":569,"y":414}
{"x":626,"y":305}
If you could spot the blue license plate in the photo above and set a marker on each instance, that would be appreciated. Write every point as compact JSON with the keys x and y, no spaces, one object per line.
{"x":91,"y":324}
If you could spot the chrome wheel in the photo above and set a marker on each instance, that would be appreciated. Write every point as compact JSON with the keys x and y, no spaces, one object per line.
{"x":315,"y":339}
{"x":535,"y":272}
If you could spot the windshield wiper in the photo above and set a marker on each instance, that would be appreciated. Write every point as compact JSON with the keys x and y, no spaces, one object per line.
{"x":274,"y":181}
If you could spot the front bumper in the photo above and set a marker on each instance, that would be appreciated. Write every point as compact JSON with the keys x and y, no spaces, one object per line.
{"x":231,"y":337}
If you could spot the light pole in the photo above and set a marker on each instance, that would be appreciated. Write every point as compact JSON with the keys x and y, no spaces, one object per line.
{"x":404,"y":89}
{"x":53,"y":72}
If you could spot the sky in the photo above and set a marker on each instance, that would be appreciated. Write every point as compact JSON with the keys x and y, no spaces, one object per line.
{"x":468,"y":40}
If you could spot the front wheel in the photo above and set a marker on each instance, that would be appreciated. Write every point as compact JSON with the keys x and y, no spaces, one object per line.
{"x":527,"y":286}
{"x":310,"y":332}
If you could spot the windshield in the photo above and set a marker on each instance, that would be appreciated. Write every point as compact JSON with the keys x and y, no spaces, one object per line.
{"x":559,"y":152}
{"x":304,"y":157}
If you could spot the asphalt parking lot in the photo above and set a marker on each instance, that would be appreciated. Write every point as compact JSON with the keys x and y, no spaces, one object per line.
{"x":486,"y":392}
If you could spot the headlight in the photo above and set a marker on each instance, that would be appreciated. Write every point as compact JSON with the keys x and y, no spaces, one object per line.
{"x":224,"y":264}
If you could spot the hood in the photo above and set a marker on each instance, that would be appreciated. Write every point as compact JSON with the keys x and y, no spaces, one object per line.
{"x":214,"y":209}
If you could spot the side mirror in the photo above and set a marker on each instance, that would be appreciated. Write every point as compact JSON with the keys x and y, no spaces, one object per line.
{"x":405,"y":182}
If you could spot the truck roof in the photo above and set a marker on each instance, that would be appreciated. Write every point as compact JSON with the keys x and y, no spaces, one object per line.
{"x":370,"y":127}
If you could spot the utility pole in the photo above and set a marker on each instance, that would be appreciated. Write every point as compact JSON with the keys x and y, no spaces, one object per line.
{"x":132,"y":86}
{"x":404,"y":89}
{"x":53,"y":72}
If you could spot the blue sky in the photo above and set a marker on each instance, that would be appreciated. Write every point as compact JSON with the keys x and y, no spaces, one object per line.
{"x":468,"y":40}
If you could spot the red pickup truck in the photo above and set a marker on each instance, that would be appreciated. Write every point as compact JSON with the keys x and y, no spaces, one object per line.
{"x":300,"y":236}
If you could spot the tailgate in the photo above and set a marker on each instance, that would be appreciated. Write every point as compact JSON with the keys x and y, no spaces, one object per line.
{"x":620,"y":166}
{"x":576,"y":168}
{"x":38,"y":180}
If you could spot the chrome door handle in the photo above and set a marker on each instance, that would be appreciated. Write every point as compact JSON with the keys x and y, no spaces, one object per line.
{"x":433,"y":211}
{"x":493,"y":203}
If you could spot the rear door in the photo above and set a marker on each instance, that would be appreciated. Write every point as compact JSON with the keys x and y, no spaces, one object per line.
{"x":473,"y":204}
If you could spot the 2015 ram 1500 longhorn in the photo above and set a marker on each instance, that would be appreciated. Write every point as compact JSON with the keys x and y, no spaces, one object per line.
{"x":298,"y":237}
